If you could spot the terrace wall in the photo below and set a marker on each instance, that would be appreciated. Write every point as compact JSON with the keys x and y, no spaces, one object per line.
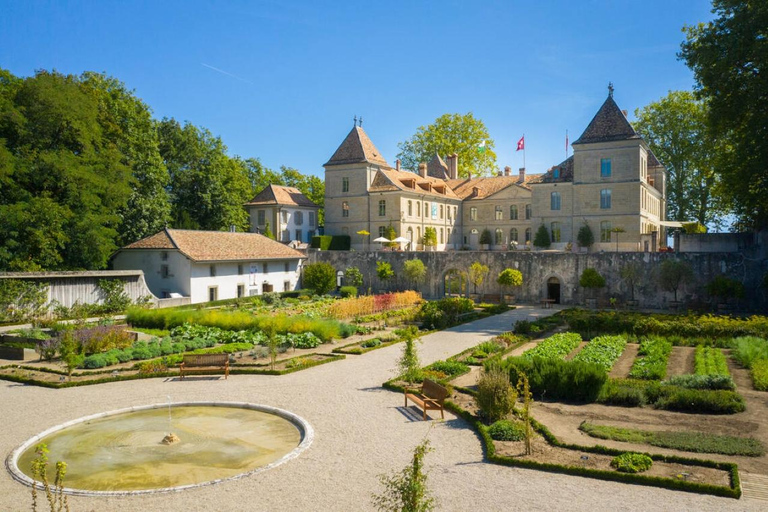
{"x":539,"y":267}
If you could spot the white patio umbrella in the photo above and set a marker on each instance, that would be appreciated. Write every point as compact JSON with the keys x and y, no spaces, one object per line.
{"x":382,"y":240}
{"x":401,"y":240}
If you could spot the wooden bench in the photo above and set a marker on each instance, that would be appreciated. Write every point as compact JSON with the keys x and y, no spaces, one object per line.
{"x":431,"y":396}
{"x":199,"y":363}
{"x":547,"y":303}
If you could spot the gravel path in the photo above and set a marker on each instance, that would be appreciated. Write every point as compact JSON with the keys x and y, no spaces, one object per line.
{"x":361,"y":431}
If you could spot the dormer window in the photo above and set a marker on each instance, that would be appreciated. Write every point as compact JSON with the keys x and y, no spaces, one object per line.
{"x":556,"y":174}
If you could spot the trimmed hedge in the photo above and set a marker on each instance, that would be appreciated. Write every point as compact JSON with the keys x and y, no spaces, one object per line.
{"x":331,"y":243}
{"x":556,"y":379}
{"x":635,"y":393}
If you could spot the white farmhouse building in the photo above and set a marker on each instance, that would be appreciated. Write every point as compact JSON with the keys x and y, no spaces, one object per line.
{"x":290,"y":214}
{"x":211,"y":265}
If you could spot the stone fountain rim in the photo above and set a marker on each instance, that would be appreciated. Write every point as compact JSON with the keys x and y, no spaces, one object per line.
{"x":306,"y":430}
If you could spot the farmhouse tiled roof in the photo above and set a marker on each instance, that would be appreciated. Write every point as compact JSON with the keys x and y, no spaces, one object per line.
{"x":281,"y":195}
{"x":357,"y":148}
{"x":566,"y":173}
{"x":437,"y":168}
{"x":653,"y":161}
{"x":609,"y":124}
{"x":388,"y":180}
{"x":486,"y":187}
{"x":217,"y":245}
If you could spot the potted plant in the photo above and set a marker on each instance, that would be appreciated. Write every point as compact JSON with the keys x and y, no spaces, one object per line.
{"x":591,"y":280}
{"x":508,"y":278}
{"x":542,"y":240}
{"x":485,"y":239}
{"x":477,"y":273}
{"x":585,"y":237}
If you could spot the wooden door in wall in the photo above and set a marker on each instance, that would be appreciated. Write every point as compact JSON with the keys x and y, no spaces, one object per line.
{"x":267,"y":288}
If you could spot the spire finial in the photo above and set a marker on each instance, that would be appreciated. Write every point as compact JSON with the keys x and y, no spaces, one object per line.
{"x":354,"y":121}
{"x":361,"y":121}
{"x":610,"y":89}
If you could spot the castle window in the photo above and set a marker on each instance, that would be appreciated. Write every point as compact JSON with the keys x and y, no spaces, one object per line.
{"x":555,"y":228}
{"x":513,"y":212}
{"x":513,"y":235}
{"x":605,"y":167}
{"x":426,"y":209}
{"x":554,"y":201}
{"x":382,"y":230}
{"x":298,"y":218}
{"x":527,"y":235}
{"x":499,"y":213}
{"x":499,"y":237}
{"x":441,"y":211}
{"x":527,"y":212}
{"x":605,"y":231}
{"x":311,"y":219}
{"x":262,"y":217}
{"x":410,"y":208}
{"x":382,"y":208}
{"x":441,"y":235}
{"x":345,"y":209}
{"x":605,"y":199}
{"x":345,"y":184}
{"x":418,"y":208}
{"x":473,"y":213}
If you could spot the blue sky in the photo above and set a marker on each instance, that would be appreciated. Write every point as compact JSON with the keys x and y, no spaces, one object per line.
{"x":290,"y":75}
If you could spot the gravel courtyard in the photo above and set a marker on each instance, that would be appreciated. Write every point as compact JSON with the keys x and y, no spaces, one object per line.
{"x":361,"y":431}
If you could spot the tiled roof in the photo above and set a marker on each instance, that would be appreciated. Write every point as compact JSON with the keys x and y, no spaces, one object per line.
{"x":653,"y":161}
{"x":387,"y":180}
{"x":486,"y":187}
{"x":566,"y":173}
{"x":437,"y":168}
{"x":357,"y":148}
{"x":609,"y":124}
{"x":280,"y":195}
{"x":217,"y":245}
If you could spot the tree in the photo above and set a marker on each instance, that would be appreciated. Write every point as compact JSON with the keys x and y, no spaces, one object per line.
{"x":495,"y":396}
{"x":354,"y":277}
{"x":618,"y":230}
{"x":584,"y":236}
{"x":729,"y":56}
{"x":408,"y":366}
{"x":452,"y":133}
{"x":384,"y":271}
{"x":22,"y":300}
{"x":320,"y":277}
{"x":477,"y":273}
{"x":524,"y":391}
{"x":631,"y":273}
{"x":391,"y":234}
{"x":510,"y":277}
{"x":591,"y":279}
{"x":673,"y":274}
{"x":725,"y":288}
{"x":430,"y":237}
{"x":407,"y":490}
{"x":485,"y":237}
{"x":678,"y":132}
{"x":541,"y":239}
{"x":268,"y":232}
{"x":415,"y":271}
{"x":71,"y":352}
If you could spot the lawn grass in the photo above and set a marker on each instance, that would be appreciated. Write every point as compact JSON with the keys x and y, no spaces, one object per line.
{"x":698,"y":442}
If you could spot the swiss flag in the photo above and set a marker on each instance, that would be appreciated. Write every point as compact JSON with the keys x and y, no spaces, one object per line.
{"x":521,"y":143}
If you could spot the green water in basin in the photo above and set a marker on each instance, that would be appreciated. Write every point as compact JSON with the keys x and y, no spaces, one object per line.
{"x":125,"y":453}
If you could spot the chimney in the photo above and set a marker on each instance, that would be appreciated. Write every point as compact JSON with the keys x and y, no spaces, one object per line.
{"x":455,"y":170}
{"x":423,"y":170}
{"x":507,"y":171}
{"x":624,"y":112}
{"x":521,"y":173}
{"x":475,"y":191}
{"x":397,"y":164}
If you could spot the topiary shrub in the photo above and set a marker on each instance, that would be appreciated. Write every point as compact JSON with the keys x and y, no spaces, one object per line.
{"x":506,"y":430}
{"x":542,"y":240}
{"x":348,"y":291}
{"x":632,"y":462}
{"x":495,"y":397}
{"x":585,"y":236}
{"x":485,"y":237}
{"x":320,"y":277}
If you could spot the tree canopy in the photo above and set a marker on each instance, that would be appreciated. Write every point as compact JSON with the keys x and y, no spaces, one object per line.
{"x":729,"y":56}
{"x":452,"y":133}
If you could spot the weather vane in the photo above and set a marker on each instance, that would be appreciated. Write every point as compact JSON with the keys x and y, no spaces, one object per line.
{"x":610,"y":89}
{"x":354,"y":121}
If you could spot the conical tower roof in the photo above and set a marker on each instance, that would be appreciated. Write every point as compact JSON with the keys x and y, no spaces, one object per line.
{"x":609,"y":124}
{"x":356,"y":148}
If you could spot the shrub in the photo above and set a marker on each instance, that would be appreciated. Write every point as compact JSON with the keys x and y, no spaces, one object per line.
{"x":449,"y":368}
{"x":485,"y":237}
{"x":699,"y":401}
{"x":748,"y":349}
{"x":632,"y":462}
{"x":652,"y":363}
{"x":320,"y":277}
{"x":415,"y":271}
{"x":623,"y":392}
{"x":375,"y":342}
{"x":47,"y":348}
{"x":495,"y":396}
{"x":331,"y":243}
{"x":759,"y":374}
{"x":443,"y":313}
{"x":725,"y":288}
{"x":603,"y":351}
{"x":384,"y":270}
{"x":348,"y":291}
{"x":355,"y":307}
{"x":542,"y":239}
{"x":95,"y":361}
{"x":585,"y":236}
{"x":702,"y":382}
{"x":353,"y":277}
{"x":591,"y":278}
{"x":557,"y":379}
{"x":505,"y":430}
{"x":523,"y":327}
{"x":556,"y":346}
{"x":710,"y":361}
{"x":673,"y":274}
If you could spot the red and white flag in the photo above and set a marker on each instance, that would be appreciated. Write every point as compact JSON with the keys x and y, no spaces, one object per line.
{"x":521,"y":143}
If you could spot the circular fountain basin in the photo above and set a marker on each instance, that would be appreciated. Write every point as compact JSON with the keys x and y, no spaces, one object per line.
{"x":121,"y":452}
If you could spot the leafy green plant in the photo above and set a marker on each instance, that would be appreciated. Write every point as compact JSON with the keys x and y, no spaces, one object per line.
{"x":407,"y":490}
{"x":408,"y":366}
{"x":557,"y":379}
{"x":430,"y":237}
{"x":603,"y":351}
{"x":506,"y":430}
{"x":353,"y":277}
{"x":748,"y":349}
{"x":384,"y":271}
{"x":673,"y":274}
{"x":702,"y":382}
{"x":632,"y":462}
{"x":451,"y":369}
{"x":541,"y":239}
{"x":759,"y":374}
{"x":725,"y":288}
{"x":495,"y":396}
{"x":585,"y":237}
{"x":415,"y":271}
{"x":509,"y":277}
{"x":652,"y":361}
{"x":591,"y":279}
{"x":710,"y":361}
{"x":113,"y":295}
{"x":347,"y":291}
{"x":477,"y":274}
{"x":556,"y":346}
{"x":443,"y":313}
{"x":320,"y":277}
{"x":55,"y":496}
{"x":375,"y":342}
{"x":485,"y":237}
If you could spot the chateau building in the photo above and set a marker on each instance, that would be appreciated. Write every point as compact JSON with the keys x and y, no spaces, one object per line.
{"x":612,"y":183}
{"x":289,"y":214}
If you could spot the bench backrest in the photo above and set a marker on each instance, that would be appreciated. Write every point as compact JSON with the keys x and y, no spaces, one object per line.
{"x":206,"y":359}
{"x":433,"y":390}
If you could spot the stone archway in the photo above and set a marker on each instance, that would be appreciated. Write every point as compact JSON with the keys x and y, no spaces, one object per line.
{"x":553,"y":291}
{"x":455,"y":283}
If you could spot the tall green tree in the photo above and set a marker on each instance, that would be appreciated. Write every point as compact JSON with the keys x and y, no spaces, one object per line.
{"x":64,"y":179}
{"x":452,"y":133}
{"x":677,"y":129}
{"x":208,"y":188}
{"x":729,"y":57}
{"x":127,"y":122}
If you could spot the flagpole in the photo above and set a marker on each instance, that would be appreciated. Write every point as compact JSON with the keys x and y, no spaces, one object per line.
{"x":566,"y":144}
{"x":523,"y":151}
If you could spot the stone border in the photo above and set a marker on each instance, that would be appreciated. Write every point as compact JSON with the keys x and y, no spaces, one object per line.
{"x":307,"y":436}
